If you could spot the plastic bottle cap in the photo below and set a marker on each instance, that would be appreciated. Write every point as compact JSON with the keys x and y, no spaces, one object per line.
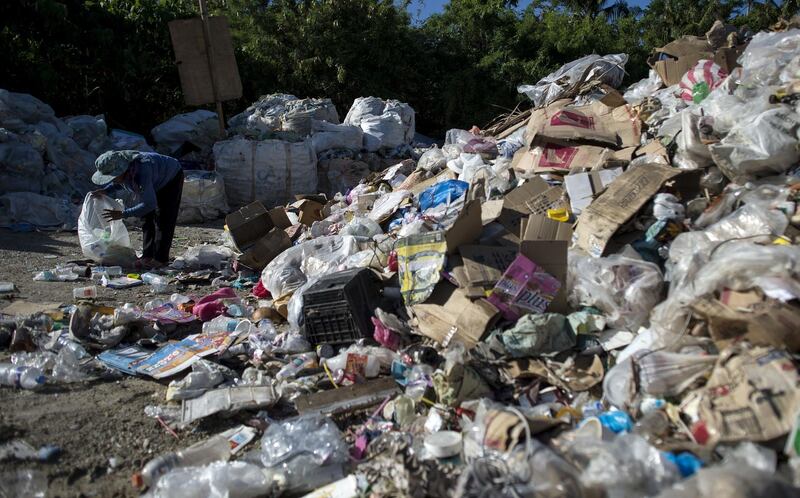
{"x":137,"y":480}
{"x":443,"y":444}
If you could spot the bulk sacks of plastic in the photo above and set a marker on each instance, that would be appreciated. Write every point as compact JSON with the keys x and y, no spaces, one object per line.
{"x":270,"y":171}
{"x":386,"y":123}
{"x":203,"y":197}
{"x":199,"y":128}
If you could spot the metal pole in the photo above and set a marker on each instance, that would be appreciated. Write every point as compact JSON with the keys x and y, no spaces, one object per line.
{"x":212,"y":73}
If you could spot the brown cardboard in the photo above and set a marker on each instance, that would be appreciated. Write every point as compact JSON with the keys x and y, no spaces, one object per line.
{"x":249,"y":224}
{"x":545,"y":242}
{"x":652,"y":147}
{"x":747,"y":316}
{"x":582,"y":187}
{"x":578,"y":377}
{"x":490,"y":210}
{"x":450,"y":314}
{"x":554,"y":156}
{"x":533,"y":197}
{"x":279,"y":218}
{"x":309,"y":211}
{"x":618,"y":204}
{"x":685,"y":52}
{"x":466,"y":228}
{"x":597,"y":122}
{"x":484,"y":265}
{"x":265,"y":249}
{"x":751,"y":395}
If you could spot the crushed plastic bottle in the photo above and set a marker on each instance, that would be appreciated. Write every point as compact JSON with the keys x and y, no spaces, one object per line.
{"x":213,"y":449}
{"x":297,"y":364}
{"x":30,"y":378}
{"x":159,"y":284}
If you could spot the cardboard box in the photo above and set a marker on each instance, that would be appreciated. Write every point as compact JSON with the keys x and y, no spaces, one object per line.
{"x":449,"y":314}
{"x":618,"y":204}
{"x":265,"y":249}
{"x":552,"y":156}
{"x":249,"y":224}
{"x":484,"y":265}
{"x":597,"y":122}
{"x":533,"y":197}
{"x":674,"y":59}
{"x":546,"y":242}
{"x":309,"y":211}
{"x":582,"y":187}
{"x":467,"y":227}
{"x":748,"y":316}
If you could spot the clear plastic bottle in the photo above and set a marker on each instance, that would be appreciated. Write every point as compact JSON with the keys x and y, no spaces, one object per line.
{"x":297,"y":364}
{"x":158,"y":283}
{"x":21,"y":377}
{"x":89,"y":292}
{"x":419,"y":379}
{"x":213,"y":449}
{"x":221,"y":324}
{"x":178,"y":299}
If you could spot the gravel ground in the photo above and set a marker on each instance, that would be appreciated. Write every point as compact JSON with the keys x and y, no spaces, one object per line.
{"x":99,"y":425}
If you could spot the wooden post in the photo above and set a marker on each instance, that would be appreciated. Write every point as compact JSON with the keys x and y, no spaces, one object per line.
{"x":212,"y":73}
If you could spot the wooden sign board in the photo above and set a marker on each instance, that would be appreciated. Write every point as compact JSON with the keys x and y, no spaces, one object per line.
{"x":193,"y":61}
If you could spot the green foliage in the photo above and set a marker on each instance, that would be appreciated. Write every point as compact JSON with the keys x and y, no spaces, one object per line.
{"x":457,"y":68}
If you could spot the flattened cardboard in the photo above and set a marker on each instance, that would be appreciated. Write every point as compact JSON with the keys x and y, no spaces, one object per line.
{"x":545,"y":242}
{"x":578,"y":377}
{"x":751,"y":395}
{"x":652,"y":147}
{"x":533,"y":197}
{"x":490,"y":210}
{"x":249,"y":224}
{"x":582,"y":187}
{"x":597,"y":122}
{"x":310,"y":211}
{"x":466,"y":228}
{"x":484,"y":265}
{"x":279,"y":218}
{"x":618,"y":204}
{"x":554,"y":156}
{"x":769,"y":323}
{"x":265,"y":249}
{"x":449,"y":314}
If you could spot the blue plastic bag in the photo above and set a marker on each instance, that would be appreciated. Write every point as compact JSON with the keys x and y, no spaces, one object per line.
{"x":441,"y":193}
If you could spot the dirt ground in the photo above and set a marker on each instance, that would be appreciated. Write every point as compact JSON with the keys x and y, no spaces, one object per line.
{"x":100,"y":426}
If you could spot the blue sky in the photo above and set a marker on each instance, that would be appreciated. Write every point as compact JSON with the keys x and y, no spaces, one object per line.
{"x":427,"y":7}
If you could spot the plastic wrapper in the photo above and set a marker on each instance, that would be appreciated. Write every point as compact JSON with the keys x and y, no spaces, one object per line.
{"x":105,"y":242}
{"x":573,"y":76}
{"x":643,"y":88}
{"x":538,"y":334}
{"x":668,"y":207}
{"x":312,"y":258}
{"x":766,"y":55}
{"x":705,"y":74}
{"x":218,"y":480}
{"x":624,"y":288}
{"x":315,"y":436}
{"x":627,"y":466}
{"x":205,"y":375}
{"x":766,"y":145}
{"x":662,"y":373}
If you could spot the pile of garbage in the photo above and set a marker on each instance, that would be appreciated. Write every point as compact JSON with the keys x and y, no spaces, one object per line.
{"x":598,"y":298}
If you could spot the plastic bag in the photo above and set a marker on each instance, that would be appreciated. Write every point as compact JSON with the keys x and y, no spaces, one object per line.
{"x":643,"y":88}
{"x":104,"y":242}
{"x":669,"y":374}
{"x":432,"y":160}
{"x":218,"y":480}
{"x":537,"y":335}
{"x":624,"y":288}
{"x":315,"y":436}
{"x":704,"y":72}
{"x":568,"y":80}
{"x":444,"y":192}
{"x":361,"y":227}
{"x":766,"y":145}
{"x":731,"y":481}
{"x":766,"y":55}
{"x":312,"y":258}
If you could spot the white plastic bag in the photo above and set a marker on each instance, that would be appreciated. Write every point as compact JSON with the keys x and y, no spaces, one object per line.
{"x":643,"y":88}
{"x":105,"y":242}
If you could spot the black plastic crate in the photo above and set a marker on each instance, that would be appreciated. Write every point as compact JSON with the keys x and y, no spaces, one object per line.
{"x":337,"y":309}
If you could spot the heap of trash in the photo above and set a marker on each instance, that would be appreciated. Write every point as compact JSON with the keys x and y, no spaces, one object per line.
{"x":598,"y":296}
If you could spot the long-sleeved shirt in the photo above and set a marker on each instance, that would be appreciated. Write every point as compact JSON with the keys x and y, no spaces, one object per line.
{"x":151,"y":172}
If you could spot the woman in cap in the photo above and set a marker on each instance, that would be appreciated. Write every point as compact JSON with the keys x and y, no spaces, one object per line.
{"x":157,"y":180}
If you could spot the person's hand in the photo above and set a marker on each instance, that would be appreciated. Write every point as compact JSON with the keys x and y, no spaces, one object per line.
{"x":112,"y":214}
{"x":98,"y":193}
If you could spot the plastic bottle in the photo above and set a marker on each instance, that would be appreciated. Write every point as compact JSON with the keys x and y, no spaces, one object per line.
{"x":339,"y":363}
{"x":21,"y":377}
{"x":221,"y":324}
{"x":110,"y":271}
{"x":419,"y":379}
{"x":297,"y":364}
{"x":157,"y":283}
{"x":89,"y":292}
{"x":211,"y":450}
{"x":178,"y":299}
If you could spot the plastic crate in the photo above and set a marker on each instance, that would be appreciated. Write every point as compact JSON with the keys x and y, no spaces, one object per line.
{"x":337,"y":309}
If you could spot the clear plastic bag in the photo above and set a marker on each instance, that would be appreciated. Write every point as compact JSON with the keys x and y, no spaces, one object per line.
{"x":643,"y":88}
{"x":662,"y":373}
{"x":624,"y":288}
{"x":218,"y":480}
{"x":315,"y":436}
{"x":432,"y":160}
{"x":766,"y":55}
{"x":568,"y":79}
{"x":105,"y":242}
